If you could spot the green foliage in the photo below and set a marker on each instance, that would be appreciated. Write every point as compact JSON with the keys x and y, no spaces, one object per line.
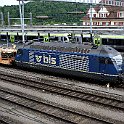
{"x":57,"y":11}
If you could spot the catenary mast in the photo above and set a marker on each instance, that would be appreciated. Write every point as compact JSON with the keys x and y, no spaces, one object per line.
{"x":21,"y":10}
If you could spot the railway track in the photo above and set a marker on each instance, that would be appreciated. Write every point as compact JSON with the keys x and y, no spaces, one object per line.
{"x":58,"y":113}
{"x":19,"y":113}
{"x":3,"y":122}
{"x":66,"y":89}
{"x":95,"y":98}
{"x":51,"y":85}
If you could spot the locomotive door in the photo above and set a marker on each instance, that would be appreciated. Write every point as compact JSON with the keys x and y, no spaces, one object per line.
{"x":19,"y":55}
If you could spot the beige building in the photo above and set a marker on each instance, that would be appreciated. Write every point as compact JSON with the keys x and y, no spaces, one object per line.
{"x":111,"y":14}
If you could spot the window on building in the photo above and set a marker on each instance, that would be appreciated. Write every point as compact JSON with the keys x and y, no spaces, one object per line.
{"x":100,"y":23}
{"x":94,"y":15}
{"x":120,"y":23}
{"x":121,"y":14}
{"x":94,"y":23}
{"x":107,"y":23}
{"x":122,"y":3}
{"x":117,"y":3}
{"x":110,"y":2}
{"x":103,"y":23}
{"x":116,"y":23}
{"x":100,"y":15}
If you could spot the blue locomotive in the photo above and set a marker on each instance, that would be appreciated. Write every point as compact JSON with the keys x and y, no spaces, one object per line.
{"x":94,"y":62}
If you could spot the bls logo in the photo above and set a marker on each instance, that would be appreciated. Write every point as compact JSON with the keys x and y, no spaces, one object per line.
{"x":38,"y":58}
{"x":46,"y":59}
{"x":49,"y":60}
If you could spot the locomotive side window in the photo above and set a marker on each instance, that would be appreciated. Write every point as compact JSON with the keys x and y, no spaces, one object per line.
{"x":108,"y":61}
{"x":105,"y":60}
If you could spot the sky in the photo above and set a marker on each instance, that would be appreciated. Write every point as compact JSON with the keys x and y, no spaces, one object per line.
{"x":8,"y":2}
{"x":15,"y":2}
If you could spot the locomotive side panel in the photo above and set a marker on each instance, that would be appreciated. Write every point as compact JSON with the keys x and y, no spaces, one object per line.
{"x":76,"y":62}
{"x":94,"y":64}
{"x":22,"y":56}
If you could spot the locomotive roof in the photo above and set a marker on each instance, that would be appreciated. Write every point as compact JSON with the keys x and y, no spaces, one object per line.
{"x":72,"y":47}
{"x":6,"y":49}
{"x":66,"y":47}
{"x":61,"y":44}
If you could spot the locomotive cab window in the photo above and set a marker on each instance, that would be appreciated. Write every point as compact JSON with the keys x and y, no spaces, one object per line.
{"x":8,"y":55}
{"x":19,"y":52}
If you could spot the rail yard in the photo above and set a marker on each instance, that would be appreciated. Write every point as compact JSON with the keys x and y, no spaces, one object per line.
{"x":62,"y":100}
{"x":58,"y":72}
{"x":33,"y":96}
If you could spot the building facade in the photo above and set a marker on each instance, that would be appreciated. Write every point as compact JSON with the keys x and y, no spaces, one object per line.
{"x":108,"y":13}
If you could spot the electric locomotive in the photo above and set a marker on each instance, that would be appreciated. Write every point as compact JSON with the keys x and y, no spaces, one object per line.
{"x":89,"y":61}
{"x":7,"y":54}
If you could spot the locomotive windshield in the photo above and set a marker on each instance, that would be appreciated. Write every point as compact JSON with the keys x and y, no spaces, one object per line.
{"x":118,"y":59}
{"x":8,"y":55}
{"x":20,"y":51}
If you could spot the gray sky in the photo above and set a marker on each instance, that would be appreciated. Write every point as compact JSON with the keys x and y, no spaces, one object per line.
{"x":8,"y":2}
{"x":15,"y":2}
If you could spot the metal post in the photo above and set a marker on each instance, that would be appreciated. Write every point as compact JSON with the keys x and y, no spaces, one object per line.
{"x":17,"y":37}
{"x":38,"y":37}
{"x":30,"y":19}
{"x":7,"y":39}
{"x":2,"y":19}
{"x":91,"y":22}
{"x":21,"y":10}
{"x":8,"y":20}
{"x":23,"y":23}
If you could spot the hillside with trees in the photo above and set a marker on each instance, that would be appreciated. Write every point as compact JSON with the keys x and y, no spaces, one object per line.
{"x":57,"y":12}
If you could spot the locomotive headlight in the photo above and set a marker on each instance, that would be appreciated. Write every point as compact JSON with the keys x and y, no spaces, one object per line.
{"x":118,"y":59}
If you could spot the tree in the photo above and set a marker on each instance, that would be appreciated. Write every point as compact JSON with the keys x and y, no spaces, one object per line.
{"x":58,"y":12}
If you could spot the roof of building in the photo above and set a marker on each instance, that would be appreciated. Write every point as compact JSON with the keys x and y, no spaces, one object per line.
{"x":111,"y":9}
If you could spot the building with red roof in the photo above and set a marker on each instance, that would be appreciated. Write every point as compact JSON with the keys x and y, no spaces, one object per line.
{"x":109,"y":12}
